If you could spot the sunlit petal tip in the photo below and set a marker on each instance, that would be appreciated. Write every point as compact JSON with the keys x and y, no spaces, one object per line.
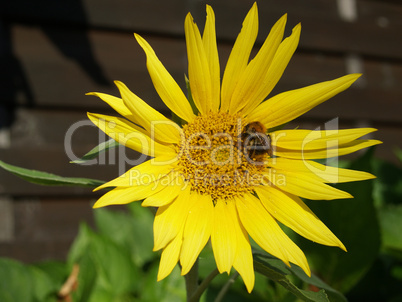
{"x":253,"y":12}
{"x":96,"y":206}
{"x":161,"y":276}
{"x":118,"y":83}
{"x":92,"y":116}
{"x":347,"y":196}
{"x":98,"y":188}
{"x":138,"y":38}
{"x":254,"y":5}
{"x":342,"y":246}
{"x":307,"y":270}
{"x":100,"y":203}
{"x":284,"y":18}
{"x":144,"y":44}
{"x":121,"y":86}
{"x":209,"y":9}
{"x":92,"y":93}
{"x":189,"y":19}
{"x":297,"y":29}
{"x":367,"y":176}
{"x":354,"y":76}
{"x":163,"y":272}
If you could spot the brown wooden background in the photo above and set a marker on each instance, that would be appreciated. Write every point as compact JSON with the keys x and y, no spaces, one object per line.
{"x":53,"y":52}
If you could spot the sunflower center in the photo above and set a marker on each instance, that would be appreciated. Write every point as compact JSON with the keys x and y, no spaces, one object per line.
{"x":214,"y":158}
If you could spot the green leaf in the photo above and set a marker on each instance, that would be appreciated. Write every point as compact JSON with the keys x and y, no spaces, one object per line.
{"x":79,"y":254}
{"x":388,"y":185}
{"x":55,"y":270}
{"x":333,"y":295}
{"x":104,"y":267}
{"x":87,"y":279}
{"x":16,"y":282}
{"x":44,"y":288}
{"x":20,"y":282}
{"x":130,"y":230}
{"x":170,"y":289}
{"x":48,"y":179}
{"x":116,"y":272}
{"x":102,"y":147}
{"x":269,"y":268}
{"x":355,"y":223}
{"x":80,"y":245}
{"x":391,"y":226}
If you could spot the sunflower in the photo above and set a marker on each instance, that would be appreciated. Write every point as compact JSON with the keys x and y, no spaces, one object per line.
{"x":221,"y":173}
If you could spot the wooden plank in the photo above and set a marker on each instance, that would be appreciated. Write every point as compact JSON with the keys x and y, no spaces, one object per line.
{"x":31,"y":252}
{"x":323,"y":27}
{"x":145,"y":15}
{"x":47,"y":220}
{"x":57,"y":82}
{"x":45,"y":228}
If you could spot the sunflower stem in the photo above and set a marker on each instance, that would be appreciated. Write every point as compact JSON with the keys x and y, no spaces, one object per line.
{"x":203,"y":286}
{"x":226,"y":287}
{"x":192,"y":282}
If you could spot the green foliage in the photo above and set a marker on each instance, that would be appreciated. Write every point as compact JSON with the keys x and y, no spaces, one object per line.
{"x":25,"y":283}
{"x":269,"y":268}
{"x":48,"y":179}
{"x":128,"y":229}
{"x":117,"y":263}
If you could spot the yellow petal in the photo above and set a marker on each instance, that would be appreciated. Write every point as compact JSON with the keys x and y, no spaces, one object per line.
{"x":124,"y":195}
{"x":211,"y":52}
{"x":223,"y":239}
{"x":170,"y":256}
{"x":304,"y":185}
{"x":279,"y":63}
{"x":243,"y":261}
{"x":169,"y":219}
{"x":266,"y":232}
{"x":126,"y":134}
{"x":142,"y":174}
{"x":196,"y":231}
{"x":326,"y":153}
{"x":117,"y":104}
{"x":322,"y":173}
{"x":239,"y":56}
{"x":165,"y":85}
{"x":160,"y":128}
{"x":248,"y":87}
{"x":167,"y":195}
{"x":198,"y":68}
{"x":289,"y":105}
{"x":299,"y":139}
{"x":294,"y":213}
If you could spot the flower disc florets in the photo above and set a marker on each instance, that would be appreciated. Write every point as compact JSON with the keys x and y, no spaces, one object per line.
{"x":213,"y":157}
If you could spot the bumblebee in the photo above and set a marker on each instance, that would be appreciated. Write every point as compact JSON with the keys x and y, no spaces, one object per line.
{"x":256,"y":142}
